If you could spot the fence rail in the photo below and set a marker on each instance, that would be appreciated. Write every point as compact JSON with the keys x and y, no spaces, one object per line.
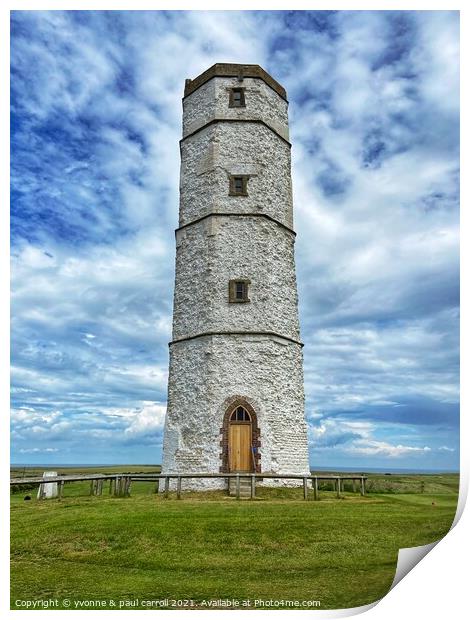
{"x":120,"y":484}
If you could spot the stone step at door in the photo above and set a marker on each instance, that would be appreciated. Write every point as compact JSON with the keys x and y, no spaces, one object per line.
{"x":245,"y":487}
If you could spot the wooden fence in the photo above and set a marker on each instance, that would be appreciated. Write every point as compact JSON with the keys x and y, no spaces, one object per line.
{"x":120,"y":484}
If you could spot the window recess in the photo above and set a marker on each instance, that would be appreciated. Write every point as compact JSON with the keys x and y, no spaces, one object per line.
{"x":238,"y":185}
{"x":237,"y":98}
{"x":238,"y":291}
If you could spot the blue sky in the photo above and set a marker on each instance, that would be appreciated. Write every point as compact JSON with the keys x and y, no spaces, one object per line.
{"x":96,"y":119}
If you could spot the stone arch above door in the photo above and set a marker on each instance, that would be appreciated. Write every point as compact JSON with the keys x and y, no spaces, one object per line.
{"x":229,"y":406}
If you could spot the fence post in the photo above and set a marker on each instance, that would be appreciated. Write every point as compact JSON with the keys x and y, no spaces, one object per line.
{"x":363,"y":486}
{"x":315,"y":488}
{"x":92,"y":489}
{"x":178,"y":488}
{"x":238,"y":487}
{"x":338,"y":487}
{"x":305,"y":489}
{"x":128,"y":486}
{"x":253,"y":486}
{"x":167,"y":486}
{"x":61,"y":488}
{"x":157,"y":486}
{"x":354,"y":485}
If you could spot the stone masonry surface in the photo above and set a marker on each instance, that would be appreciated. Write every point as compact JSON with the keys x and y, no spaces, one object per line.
{"x":214,"y":362}
{"x":211,"y":156}
{"x":210,"y":101}
{"x":267,"y":372}
{"x":219,"y":249}
{"x":233,"y":70}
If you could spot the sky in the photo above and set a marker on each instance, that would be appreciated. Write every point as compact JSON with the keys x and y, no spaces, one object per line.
{"x":95,"y":129}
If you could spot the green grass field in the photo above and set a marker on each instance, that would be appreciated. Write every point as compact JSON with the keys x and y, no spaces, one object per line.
{"x":206,"y":547}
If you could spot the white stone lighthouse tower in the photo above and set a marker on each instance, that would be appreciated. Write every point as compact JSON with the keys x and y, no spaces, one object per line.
{"x":235,"y":389}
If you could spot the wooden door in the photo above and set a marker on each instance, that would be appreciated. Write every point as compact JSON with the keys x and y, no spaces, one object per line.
{"x":240,"y":447}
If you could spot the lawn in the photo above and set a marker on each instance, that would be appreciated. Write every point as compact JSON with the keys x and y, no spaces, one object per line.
{"x":205,"y":547}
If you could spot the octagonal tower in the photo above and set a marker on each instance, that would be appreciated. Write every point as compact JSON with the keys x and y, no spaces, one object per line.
{"x":235,"y":388}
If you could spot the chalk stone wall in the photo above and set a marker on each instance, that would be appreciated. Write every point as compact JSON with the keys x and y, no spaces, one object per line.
{"x":209,"y":102}
{"x":267,"y":372}
{"x":209,"y":369}
{"x":221,"y":150}
{"x":218,"y":249}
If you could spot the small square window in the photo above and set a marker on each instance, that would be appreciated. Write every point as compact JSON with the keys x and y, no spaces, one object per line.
{"x":238,"y":186}
{"x":237,"y":98}
{"x":238,"y":291}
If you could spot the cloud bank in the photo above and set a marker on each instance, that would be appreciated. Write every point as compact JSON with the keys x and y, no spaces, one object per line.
{"x":96,"y":121}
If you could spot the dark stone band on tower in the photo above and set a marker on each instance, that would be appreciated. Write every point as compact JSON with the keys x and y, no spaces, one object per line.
{"x":216,"y":214}
{"x":237,"y":333}
{"x":235,"y":120}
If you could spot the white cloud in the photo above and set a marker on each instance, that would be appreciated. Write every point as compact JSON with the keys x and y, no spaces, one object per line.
{"x":382,"y":448}
{"x":27,"y":415}
{"x":35,"y":450}
{"x":357,"y":438}
{"x":147,"y":420}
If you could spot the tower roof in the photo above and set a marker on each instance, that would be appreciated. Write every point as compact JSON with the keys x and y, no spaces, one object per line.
{"x":233,"y":70}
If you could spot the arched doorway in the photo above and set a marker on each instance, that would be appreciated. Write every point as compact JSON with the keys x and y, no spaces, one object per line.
{"x":240,"y":455}
{"x":240,"y":438}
